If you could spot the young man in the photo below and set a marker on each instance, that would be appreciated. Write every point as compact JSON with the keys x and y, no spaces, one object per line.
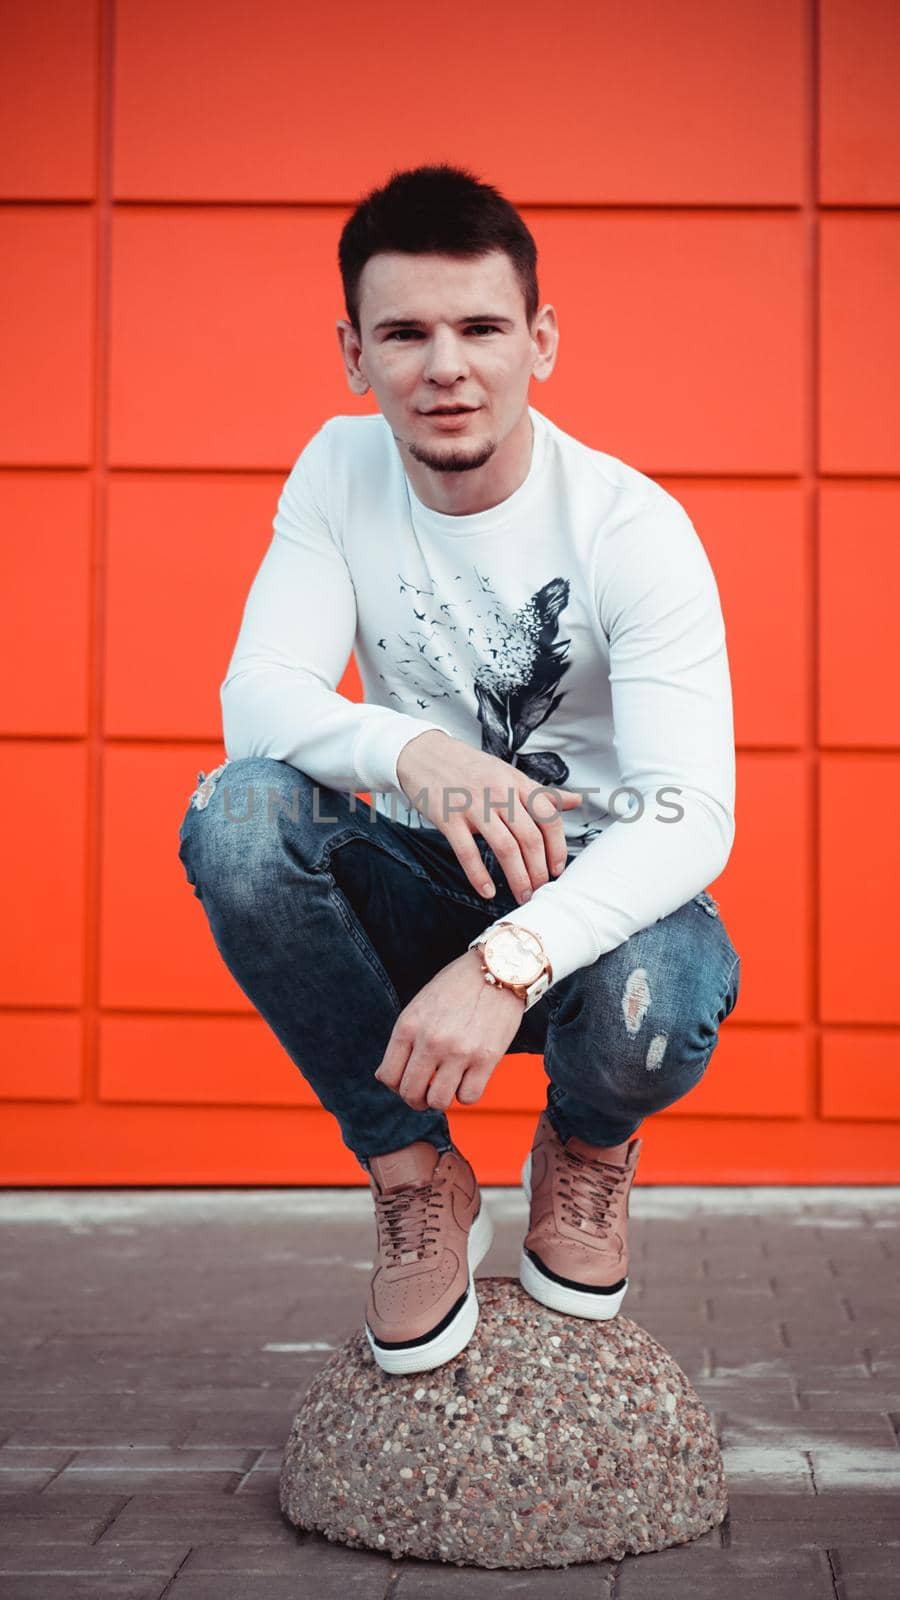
{"x":547,"y":736}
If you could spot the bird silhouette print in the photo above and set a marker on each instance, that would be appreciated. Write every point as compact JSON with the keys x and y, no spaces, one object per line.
{"x":517,"y":690}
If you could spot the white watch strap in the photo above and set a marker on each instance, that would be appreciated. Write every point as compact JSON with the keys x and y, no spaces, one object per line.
{"x":533,"y":994}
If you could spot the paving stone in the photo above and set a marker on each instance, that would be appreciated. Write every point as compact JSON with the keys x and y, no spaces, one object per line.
{"x":660,"y":1238}
{"x":733,"y":1258}
{"x":264,"y":1586}
{"x":820,"y":1520}
{"x":64,"y":1370}
{"x":842,"y":1393}
{"x":31,"y":1518}
{"x":13,"y":1480}
{"x":159,"y":1458}
{"x":87,"y":1425}
{"x":874,"y":1326}
{"x":790,"y":1285}
{"x":739,"y":1575}
{"x":729,"y":1354}
{"x":200,"y":1517}
{"x":844,"y":1342}
{"x":812,"y":1368}
{"x":770,"y":1537}
{"x":758,"y":1465}
{"x":730,"y":1313}
{"x":141,"y":1480}
{"x":755,"y":1379}
{"x":861,"y":1467}
{"x":43,"y":1456}
{"x":806,"y":1430}
{"x":231,"y":1556}
{"x":12,"y":1417}
{"x":82,"y":1586}
{"x":676,"y":1323}
{"x":825,"y":1375}
{"x":173,"y":1420}
{"x":234,"y":1428}
{"x":654,"y":1286}
{"x":866,"y":1303}
{"x":867,"y":1572}
{"x":156,"y":1559}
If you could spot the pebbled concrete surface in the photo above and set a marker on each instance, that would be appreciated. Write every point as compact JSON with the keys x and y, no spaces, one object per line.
{"x":156,"y":1343}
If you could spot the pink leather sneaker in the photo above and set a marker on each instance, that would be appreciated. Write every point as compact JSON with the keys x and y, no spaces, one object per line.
{"x":433,"y":1230}
{"x":575,"y":1255}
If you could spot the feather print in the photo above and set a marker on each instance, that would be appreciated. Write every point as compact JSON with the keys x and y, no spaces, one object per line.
{"x":518,"y":694}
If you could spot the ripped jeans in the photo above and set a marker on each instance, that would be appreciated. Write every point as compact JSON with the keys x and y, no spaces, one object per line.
{"x":332,"y":917}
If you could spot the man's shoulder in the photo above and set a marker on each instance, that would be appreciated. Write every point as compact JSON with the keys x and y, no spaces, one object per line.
{"x":352,"y":433}
{"x":627,"y":491}
{"x":340,"y":448}
{"x":346,"y":436}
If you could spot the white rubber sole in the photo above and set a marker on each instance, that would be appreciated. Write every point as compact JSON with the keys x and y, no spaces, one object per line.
{"x":560,"y":1296}
{"x":454,"y":1338}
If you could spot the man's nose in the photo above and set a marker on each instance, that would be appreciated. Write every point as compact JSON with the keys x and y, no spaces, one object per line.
{"x":446,"y":358}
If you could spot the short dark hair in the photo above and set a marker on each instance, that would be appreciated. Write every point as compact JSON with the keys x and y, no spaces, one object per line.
{"x":436,"y":210}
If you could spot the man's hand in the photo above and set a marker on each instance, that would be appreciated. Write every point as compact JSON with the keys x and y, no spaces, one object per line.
{"x":449,"y":1038}
{"x":468,"y":791}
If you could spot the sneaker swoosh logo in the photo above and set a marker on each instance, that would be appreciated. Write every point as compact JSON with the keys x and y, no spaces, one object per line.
{"x":463,"y":1210}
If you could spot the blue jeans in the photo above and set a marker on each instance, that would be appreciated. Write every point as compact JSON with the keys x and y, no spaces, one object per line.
{"x":331,"y":918}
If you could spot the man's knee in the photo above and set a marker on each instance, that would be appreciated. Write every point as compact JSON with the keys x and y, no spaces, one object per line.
{"x":231,"y":837}
{"x":252,"y":791}
{"x":642,"y":1017}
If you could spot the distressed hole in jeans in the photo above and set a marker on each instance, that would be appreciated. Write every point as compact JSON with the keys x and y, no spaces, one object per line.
{"x":707,"y":903}
{"x":655,"y":1051}
{"x":636,"y":999}
{"x":205,"y":785}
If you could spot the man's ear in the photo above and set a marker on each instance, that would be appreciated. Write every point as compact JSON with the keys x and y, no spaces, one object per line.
{"x":351,"y":351}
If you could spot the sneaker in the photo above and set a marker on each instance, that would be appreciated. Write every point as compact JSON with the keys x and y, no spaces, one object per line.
{"x":575,"y":1255}
{"x":433,"y":1230}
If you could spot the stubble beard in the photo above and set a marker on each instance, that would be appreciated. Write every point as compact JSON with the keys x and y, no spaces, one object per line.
{"x":454,"y":460}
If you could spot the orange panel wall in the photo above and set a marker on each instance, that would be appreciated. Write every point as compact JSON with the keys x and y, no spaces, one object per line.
{"x":715,"y":193}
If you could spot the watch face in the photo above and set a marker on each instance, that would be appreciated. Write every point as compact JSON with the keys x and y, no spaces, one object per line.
{"x":513,"y":957}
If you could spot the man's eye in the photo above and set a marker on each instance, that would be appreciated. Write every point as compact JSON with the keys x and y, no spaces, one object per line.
{"x":415,"y":331}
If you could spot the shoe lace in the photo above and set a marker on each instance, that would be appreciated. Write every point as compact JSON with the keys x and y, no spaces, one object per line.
{"x":407,"y":1219}
{"x":590,"y":1190}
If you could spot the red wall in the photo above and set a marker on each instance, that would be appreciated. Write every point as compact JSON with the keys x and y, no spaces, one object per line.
{"x":714,"y":189}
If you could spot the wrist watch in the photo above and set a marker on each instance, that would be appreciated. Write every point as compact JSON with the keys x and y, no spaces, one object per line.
{"x":512,"y":957}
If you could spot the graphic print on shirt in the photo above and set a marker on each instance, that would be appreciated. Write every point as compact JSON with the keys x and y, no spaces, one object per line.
{"x":516,"y":690}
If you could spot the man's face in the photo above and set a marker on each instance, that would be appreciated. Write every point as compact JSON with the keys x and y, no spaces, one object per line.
{"x":457,"y":336}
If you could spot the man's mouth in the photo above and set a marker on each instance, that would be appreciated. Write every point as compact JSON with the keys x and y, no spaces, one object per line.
{"x":449,"y":411}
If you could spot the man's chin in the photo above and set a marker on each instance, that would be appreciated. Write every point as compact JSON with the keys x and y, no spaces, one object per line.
{"x":453,"y":458}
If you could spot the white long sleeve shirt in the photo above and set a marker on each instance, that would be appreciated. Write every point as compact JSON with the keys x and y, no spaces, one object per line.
{"x":574,"y":629}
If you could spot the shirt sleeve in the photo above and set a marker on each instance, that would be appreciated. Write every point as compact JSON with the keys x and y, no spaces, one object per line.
{"x":674,"y":741}
{"x":296,"y":635}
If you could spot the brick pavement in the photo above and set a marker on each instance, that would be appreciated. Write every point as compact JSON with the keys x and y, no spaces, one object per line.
{"x":156,"y":1343}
